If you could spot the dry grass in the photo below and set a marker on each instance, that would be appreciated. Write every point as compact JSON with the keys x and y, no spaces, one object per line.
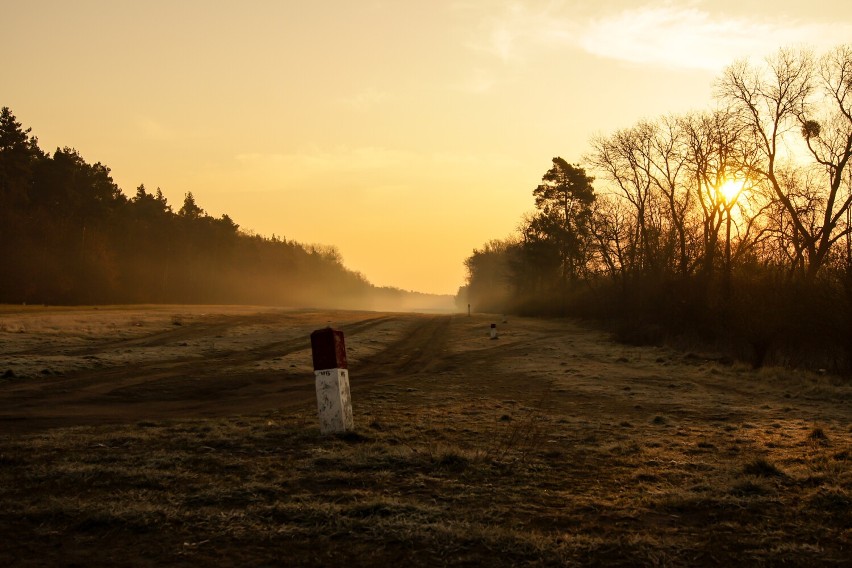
{"x":453,"y":485}
{"x":455,"y":467}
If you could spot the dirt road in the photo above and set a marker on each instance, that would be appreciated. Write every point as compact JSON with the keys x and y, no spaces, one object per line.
{"x":69,"y":367}
{"x":84,"y":367}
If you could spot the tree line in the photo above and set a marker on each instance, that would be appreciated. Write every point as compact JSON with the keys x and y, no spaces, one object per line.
{"x":731,"y":225}
{"x":68,"y":235}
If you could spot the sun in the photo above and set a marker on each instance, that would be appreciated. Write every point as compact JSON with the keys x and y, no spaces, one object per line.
{"x":730,"y":190}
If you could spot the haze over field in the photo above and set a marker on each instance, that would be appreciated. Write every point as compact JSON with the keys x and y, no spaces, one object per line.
{"x":403,"y":133}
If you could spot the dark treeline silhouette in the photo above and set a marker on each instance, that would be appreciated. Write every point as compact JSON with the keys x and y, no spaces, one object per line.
{"x":68,"y":235}
{"x":729,"y":227}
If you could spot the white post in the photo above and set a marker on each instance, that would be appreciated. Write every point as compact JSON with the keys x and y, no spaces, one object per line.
{"x":334,"y":403}
{"x":493,"y":331}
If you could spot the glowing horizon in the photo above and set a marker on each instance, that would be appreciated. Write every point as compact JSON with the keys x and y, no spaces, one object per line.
{"x":403,"y":134}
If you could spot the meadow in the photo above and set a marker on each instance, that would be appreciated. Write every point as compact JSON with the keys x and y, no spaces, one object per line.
{"x":187,"y":435}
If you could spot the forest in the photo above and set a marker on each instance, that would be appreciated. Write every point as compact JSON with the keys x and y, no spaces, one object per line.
{"x":727,"y":227}
{"x":69,"y":235}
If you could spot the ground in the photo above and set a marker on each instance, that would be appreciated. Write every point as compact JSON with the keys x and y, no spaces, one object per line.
{"x":187,"y":435}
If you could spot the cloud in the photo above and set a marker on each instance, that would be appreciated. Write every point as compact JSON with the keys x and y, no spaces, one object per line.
{"x":683,"y":35}
{"x":509,"y":35}
{"x":689,"y":37}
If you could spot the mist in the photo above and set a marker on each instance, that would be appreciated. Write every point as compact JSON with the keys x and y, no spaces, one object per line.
{"x":69,"y":235}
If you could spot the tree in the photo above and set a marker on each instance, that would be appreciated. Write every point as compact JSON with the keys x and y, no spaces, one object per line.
{"x":161,"y":199}
{"x":535,"y":264}
{"x":719,"y":153}
{"x":488,"y":277}
{"x":190,"y":209}
{"x":18,"y":152}
{"x":828,"y":135}
{"x":611,"y":229}
{"x":150,"y":208}
{"x":563,"y":201}
{"x":625,"y":160}
{"x":230,"y":227}
{"x":795,"y":96}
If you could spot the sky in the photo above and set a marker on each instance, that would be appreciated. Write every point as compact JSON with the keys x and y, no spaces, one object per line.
{"x":405,"y":133}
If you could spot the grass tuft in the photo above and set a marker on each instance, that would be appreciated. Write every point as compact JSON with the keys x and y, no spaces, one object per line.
{"x":762,"y":468}
{"x":453,"y":461}
{"x":832,"y":499}
{"x":818,"y":436}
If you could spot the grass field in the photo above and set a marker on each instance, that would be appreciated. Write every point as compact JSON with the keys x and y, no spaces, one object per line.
{"x":549,"y":446}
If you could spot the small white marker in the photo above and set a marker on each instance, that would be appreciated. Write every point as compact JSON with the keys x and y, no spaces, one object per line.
{"x":493,"y":331}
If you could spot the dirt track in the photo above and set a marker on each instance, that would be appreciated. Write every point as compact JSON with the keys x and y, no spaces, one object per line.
{"x":188,"y":365}
{"x":72,"y":367}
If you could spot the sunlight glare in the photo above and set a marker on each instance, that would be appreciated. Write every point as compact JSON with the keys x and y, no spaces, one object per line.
{"x":730,"y":190}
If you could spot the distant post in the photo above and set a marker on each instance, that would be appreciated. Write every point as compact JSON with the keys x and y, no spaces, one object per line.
{"x":334,"y":403}
{"x":468,"y":310}
{"x":493,"y":331}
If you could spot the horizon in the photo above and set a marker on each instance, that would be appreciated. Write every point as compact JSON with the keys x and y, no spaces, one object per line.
{"x":413,"y":133}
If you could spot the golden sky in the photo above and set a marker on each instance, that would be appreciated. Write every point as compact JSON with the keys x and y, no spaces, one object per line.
{"x":404,"y":132}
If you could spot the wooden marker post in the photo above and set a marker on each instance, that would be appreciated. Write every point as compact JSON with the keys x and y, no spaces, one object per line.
{"x":493,"y":331}
{"x":334,"y":403}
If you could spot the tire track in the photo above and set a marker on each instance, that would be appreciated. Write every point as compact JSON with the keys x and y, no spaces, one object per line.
{"x":420,"y":350}
{"x":194,"y":385}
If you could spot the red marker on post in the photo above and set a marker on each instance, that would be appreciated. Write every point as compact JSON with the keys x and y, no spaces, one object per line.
{"x":334,"y":403}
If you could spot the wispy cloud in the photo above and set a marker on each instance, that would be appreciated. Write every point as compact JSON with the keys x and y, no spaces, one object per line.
{"x":510,"y":34}
{"x":689,"y":35}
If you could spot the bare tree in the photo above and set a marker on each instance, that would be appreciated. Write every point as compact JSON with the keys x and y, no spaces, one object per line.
{"x":648,"y":164}
{"x":790,"y":99}
{"x":719,"y":154}
{"x":711,"y":140}
{"x":611,"y":228}
{"x":669,"y":173}
{"x":624,"y":159}
{"x":827,"y":130}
